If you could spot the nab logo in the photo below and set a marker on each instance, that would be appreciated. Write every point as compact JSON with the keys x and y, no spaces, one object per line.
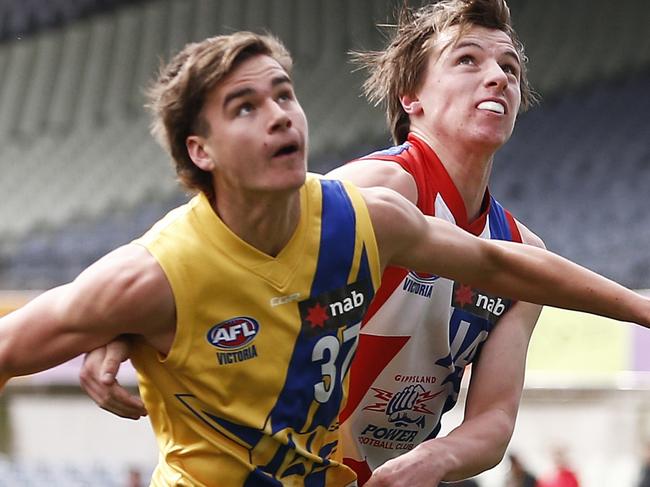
{"x":482,"y":305}
{"x":347,"y":304}
{"x":234,"y":333}
{"x":487,"y":303}
{"x":344,"y":306}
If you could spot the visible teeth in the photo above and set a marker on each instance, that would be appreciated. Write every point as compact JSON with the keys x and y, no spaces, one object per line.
{"x":492,"y":106}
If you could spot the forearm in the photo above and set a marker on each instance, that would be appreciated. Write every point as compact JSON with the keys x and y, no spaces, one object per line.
{"x":537,"y":276}
{"x":33,"y":338}
{"x":473,"y":447}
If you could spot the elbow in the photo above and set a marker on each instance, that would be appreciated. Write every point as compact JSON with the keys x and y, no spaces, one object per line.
{"x":9,"y":358}
{"x":504,"y":426}
{"x":5,"y":363}
{"x":496,"y":457}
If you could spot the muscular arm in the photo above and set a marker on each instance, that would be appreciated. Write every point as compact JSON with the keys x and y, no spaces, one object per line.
{"x":433,"y":246}
{"x":522,"y":272}
{"x":124,"y":292}
{"x":481,"y":440}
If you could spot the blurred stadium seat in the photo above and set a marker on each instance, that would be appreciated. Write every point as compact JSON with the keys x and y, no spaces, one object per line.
{"x":42,"y":474}
{"x":76,"y":149}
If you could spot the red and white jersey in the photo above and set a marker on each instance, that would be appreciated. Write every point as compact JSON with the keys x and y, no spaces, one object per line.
{"x":420,"y":331}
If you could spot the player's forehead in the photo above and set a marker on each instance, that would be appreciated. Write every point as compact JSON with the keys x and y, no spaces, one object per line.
{"x":256,"y":73}
{"x":456,"y":37}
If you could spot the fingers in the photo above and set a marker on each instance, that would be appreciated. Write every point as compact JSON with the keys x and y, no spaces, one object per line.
{"x":90,"y":370}
{"x":116,"y":352}
{"x":97,"y":378}
{"x":114,"y":398}
{"x":121,"y":402}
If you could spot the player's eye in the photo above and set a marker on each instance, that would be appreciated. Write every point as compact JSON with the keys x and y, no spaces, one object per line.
{"x":510,"y":69}
{"x":466,"y":59}
{"x":285,"y":96}
{"x":244,"y":109}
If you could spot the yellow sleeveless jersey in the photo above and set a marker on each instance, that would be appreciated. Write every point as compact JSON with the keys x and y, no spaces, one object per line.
{"x":251,"y":390}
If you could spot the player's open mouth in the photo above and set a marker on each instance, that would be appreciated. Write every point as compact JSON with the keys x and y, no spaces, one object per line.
{"x":286,"y":150}
{"x":492,"y":106}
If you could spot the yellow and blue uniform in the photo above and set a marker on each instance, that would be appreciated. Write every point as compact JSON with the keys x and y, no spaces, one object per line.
{"x":251,"y":390}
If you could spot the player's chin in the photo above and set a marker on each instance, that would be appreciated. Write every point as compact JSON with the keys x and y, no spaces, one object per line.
{"x":491,"y":139}
{"x":286,"y":179}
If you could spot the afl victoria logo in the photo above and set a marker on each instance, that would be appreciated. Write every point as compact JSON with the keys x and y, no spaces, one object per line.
{"x":234,"y":333}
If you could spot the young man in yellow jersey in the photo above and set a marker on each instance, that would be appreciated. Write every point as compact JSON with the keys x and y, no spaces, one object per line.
{"x":246,"y":302}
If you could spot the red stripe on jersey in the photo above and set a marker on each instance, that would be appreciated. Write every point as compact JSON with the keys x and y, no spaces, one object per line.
{"x":431,"y":177}
{"x":373,"y":354}
{"x":514,"y":228}
{"x":360,"y":468}
{"x":390,"y":279}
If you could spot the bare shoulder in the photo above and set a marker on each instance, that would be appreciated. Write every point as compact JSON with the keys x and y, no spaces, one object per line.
{"x":369,"y":173}
{"x":123,"y":268}
{"x":386,"y":204}
{"x":528,"y":237}
{"x":126,"y":286}
{"x":395,"y":220}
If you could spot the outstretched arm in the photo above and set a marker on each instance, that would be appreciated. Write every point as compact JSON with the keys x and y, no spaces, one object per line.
{"x":494,"y":393}
{"x":124,"y":292}
{"x":481,"y":440}
{"x":523,"y":272}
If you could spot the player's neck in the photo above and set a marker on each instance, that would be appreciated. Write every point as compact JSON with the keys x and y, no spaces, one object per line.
{"x":265,"y":221}
{"x":470,"y":171}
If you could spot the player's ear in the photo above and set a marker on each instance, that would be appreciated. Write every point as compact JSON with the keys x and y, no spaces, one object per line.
{"x":196,"y":148}
{"x":411,"y":104}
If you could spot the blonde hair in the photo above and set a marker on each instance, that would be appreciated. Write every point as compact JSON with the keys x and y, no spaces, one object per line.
{"x":399,"y":69}
{"x":177,"y":96}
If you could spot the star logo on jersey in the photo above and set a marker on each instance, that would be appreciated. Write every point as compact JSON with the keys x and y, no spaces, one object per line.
{"x":317,"y":316}
{"x":463,"y":295}
{"x":331,"y":310}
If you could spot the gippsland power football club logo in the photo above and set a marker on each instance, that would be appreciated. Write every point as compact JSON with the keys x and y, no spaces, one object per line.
{"x":233,"y":338}
{"x":405,"y":409}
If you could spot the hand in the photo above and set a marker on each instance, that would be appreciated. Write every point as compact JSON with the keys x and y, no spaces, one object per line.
{"x":98,"y":379}
{"x":415,"y":468}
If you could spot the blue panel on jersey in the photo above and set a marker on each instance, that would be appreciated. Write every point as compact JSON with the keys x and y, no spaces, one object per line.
{"x":316,"y":479}
{"x":276,"y":462}
{"x":475,"y":331}
{"x":499,"y":227}
{"x":257,"y":478}
{"x":318,"y":350}
{"x":249,"y":435}
{"x":391,"y":151}
{"x":338,"y":230}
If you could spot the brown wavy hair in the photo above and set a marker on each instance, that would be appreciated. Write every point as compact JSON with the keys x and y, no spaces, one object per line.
{"x":177,"y":96}
{"x":399,"y":69}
